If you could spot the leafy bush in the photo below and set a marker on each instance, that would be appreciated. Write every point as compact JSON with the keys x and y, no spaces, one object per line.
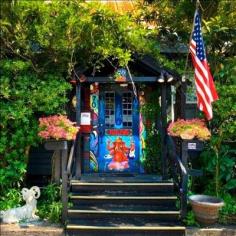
{"x":228,"y":210}
{"x":13,"y":198}
{"x":24,"y":95}
{"x":49,"y":204}
{"x":190,"y":219}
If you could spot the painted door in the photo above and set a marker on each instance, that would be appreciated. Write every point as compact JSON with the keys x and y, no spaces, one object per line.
{"x":118,"y":130}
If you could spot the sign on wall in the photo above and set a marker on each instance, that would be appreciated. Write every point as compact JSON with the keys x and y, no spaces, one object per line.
{"x":85,"y":118}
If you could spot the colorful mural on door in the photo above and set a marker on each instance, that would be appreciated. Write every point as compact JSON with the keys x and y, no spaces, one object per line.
{"x":142,"y":137}
{"x":119,"y":131}
{"x":94,"y":103}
{"x":142,"y":132}
{"x":120,"y":154}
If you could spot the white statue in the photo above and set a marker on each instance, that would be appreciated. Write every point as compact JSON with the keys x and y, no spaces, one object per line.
{"x":26,"y":212}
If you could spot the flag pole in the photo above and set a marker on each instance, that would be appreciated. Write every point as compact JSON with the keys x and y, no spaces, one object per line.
{"x":205,"y":88}
{"x":190,"y":38}
{"x":183,"y":86}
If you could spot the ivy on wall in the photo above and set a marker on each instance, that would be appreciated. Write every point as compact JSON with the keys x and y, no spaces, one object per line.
{"x":150,"y":110}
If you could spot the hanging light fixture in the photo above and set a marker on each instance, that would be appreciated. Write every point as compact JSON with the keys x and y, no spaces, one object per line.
{"x":165,"y":77}
{"x":161,"y":79}
{"x":169,"y":77}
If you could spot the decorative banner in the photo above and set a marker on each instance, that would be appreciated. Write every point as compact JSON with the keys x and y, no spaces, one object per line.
{"x":94,"y":97}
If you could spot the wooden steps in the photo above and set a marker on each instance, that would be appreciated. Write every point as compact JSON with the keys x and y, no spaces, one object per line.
{"x":129,"y":227}
{"x":123,"y":208}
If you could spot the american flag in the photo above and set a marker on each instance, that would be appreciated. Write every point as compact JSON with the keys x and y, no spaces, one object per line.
{"x":206,"y":92}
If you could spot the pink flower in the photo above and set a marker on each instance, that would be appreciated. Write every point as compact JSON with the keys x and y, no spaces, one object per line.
{"x":189,"y":129}
{"x":57,"y":127}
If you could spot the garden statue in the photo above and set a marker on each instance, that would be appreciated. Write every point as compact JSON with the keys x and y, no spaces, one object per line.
{"x":26,"y":212}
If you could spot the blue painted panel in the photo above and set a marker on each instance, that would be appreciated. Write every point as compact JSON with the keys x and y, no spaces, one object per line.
{"x":118,"y":112}
{"x":118,"y":152}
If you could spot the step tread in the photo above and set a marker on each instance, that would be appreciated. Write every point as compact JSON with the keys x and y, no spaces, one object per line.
{"x":79,"y":183}
{"x":123,"y":212}
{"x":129,"y":224}
{"x":123,"y":207}
{"x":122,"y":197}
{"x":90,"y":227}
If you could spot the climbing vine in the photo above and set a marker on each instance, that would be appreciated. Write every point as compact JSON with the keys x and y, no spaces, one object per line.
{"x":151,"y":113}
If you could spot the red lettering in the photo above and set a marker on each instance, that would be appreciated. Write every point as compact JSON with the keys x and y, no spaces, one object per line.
{"x":124,"y":132}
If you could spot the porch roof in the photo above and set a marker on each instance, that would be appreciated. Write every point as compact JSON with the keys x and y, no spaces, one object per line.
{"x":143,"y":69}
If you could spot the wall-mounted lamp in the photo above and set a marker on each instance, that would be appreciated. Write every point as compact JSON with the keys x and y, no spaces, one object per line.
{"x":169,"y":77}
{"x":161,"y":79}
{"x":165,"y":77}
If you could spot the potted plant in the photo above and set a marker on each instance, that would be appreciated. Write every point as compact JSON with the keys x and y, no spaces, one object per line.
{"x":57,"y":127}
{"x":57,"y":130}
{"x":189,"y":129}
{"x":206,"y":208}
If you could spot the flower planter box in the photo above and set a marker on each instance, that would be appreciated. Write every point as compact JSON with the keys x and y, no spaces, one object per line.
{"x":193,"y":144}
{"x":57,"y":146}
{"x":53,"y":144}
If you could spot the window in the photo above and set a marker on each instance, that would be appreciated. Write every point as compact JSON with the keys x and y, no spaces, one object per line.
{"x":127,"y":109}
{"x":109,"y":109}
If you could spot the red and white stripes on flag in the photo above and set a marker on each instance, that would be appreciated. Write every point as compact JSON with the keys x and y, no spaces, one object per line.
{"x":206,"y":92}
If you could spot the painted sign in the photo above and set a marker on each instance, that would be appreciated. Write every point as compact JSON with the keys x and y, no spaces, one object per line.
{"x":118,"y":132}
{"x":85,"y":118}
{"x":192,"y":146}
{"x":120,"y":75}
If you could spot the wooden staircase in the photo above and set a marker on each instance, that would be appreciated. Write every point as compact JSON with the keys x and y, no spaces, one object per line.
{"x":123,"y":206}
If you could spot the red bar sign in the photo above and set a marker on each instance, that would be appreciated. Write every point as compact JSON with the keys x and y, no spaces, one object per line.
{"x":124,"y":132}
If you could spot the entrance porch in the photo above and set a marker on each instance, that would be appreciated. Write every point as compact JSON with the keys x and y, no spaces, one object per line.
{"x":105,"y":174}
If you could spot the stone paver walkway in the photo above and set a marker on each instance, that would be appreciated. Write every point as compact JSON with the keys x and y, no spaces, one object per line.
{"x":47,"y":229}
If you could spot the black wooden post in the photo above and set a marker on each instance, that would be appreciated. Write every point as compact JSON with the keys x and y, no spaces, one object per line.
{"x":56,"y":167}
{"x":61,"y":146}
{"x":184,"y":153}
{"x":163,"y":130}
{"x":184,"y":187}
{"x":56,"y":146}
{"x":78,"y":146}
{"x":64,"y":193}
{"x":183,"y":99}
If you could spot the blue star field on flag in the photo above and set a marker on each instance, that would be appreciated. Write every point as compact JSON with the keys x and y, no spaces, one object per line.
{"x":197,"y":37}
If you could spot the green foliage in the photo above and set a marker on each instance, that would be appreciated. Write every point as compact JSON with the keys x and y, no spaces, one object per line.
{"x":24,"y":95}
{"x":174,"y":24}
{"x":190,"y":219}
{"x":13,"y":198}
{"x":219,"y":157}
{"x":150,"y":111}
{"x":49,"y":204}
{"x":69,"y":34}
{"x":219,"y":168}
{"x":228,"y":210}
